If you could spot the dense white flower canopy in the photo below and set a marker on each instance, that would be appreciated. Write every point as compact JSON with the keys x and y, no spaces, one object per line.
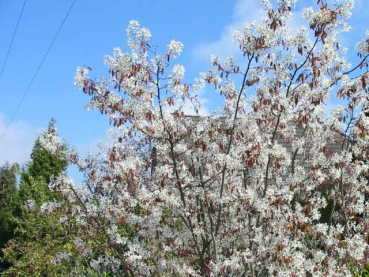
{"x":240,"y":192}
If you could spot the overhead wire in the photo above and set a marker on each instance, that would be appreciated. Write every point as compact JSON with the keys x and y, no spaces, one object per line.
{"x":11,"y":43}
{"x":38,"y":69}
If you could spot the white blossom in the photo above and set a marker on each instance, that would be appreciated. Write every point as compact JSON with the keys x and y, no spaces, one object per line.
{"x":175,"y":48}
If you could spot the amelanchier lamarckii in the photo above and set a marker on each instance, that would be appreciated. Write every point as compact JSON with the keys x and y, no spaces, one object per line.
{"x":226,"y":197}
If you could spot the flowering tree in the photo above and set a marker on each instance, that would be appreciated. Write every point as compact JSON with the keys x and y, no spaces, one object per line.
{"x":173,"y":195}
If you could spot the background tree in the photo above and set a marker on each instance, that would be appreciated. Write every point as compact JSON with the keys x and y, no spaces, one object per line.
{"x":40,"y":234}
{"x":37,"y":174}
{"x":8,"y":204}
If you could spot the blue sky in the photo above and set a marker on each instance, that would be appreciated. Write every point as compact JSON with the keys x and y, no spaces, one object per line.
{"x":92,"y":30}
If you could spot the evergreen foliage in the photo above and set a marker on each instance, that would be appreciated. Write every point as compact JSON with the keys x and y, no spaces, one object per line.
{"x":31,"y":236}
{"x":8,"y":203}
{"x":41,"y":168}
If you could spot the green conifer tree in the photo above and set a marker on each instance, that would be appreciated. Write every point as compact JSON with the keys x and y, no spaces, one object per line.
{"x":8,"y":204}
{"x":41,"y":168}
{"x":37,"y":235}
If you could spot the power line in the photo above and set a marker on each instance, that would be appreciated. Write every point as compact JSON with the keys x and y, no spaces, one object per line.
{"x":11,"y":43}
{"x":38,"y":69}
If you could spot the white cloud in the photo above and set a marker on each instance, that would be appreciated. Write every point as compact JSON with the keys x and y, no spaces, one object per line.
{"x":244,"y":11}
{"x":17,"y":144}
{"x":188,"y":107}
